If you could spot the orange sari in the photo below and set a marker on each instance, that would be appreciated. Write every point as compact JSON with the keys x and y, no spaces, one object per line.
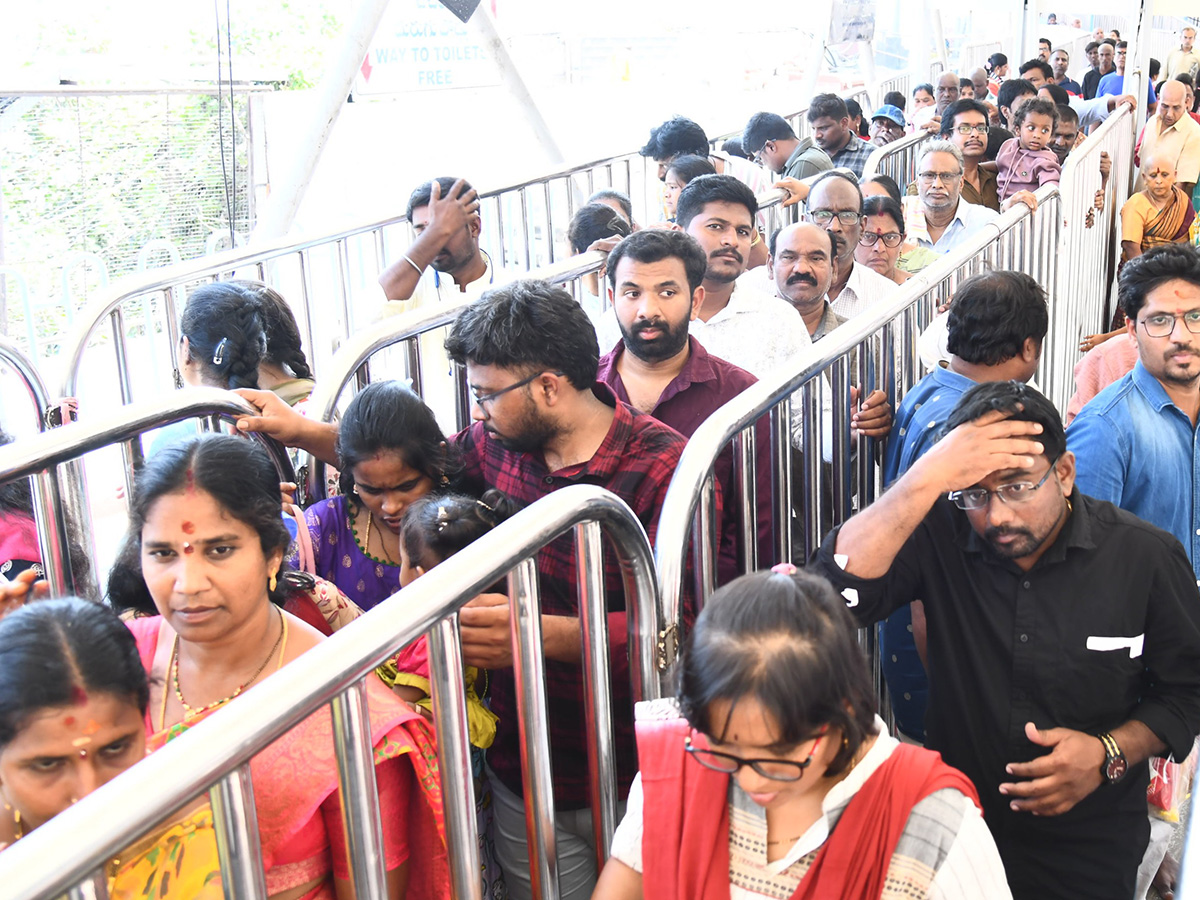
{"x":297,"y":799}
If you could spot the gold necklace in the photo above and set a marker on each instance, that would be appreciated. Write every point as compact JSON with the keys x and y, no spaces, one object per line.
{"x":191,"y":711}
{"x":367,"y":543}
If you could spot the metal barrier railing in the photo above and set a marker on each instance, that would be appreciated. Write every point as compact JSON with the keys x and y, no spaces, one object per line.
{"x":898,"y":160}
{"x":52,"y":460}
{"x":974,"y":56}
{"x":876,"y":349}
{"x":214,"y":755}
{"x":52,"y":531}
{"x":1090,"y":246}
{"x":899,"y":83}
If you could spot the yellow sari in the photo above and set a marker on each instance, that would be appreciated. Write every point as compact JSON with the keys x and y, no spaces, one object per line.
{"x":179,"y":863}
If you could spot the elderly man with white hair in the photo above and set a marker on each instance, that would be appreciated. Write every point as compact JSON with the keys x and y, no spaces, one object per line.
{"x":1172,"y":134}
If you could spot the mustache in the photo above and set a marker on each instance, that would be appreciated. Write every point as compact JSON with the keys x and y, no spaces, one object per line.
{"x":651,"y":324}
{"x":999,"y":531}
{"x":731,"y":253}
{"x":802,"y":279}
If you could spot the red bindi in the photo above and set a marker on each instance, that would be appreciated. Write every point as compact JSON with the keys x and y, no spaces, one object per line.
{"x":69,"y":721}
{"x":78,"y":696}
{"x":188,"y":527}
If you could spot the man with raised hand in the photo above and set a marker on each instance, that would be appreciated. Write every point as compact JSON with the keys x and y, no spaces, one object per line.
{"x":1063,"y":638}
{"x":444,"y":264}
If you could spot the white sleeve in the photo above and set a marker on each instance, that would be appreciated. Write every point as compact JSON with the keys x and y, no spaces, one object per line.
{"x":627,"y":839}
{"x":972,"y":868}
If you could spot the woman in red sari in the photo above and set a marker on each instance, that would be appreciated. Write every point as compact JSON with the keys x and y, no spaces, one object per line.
{"x":205,"y":546}
{"x":771,"y":775}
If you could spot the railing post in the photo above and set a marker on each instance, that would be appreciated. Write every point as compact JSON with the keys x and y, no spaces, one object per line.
{"x":744,"y":452}
{"x":781,"y":459}
{"x":351,"y":721}
{"x":529,"y":675}
{"x":597,"y":686}
{"x":454,"y":757}
{"x":239,"y":847}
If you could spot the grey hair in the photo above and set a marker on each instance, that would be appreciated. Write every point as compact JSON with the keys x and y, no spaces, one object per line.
{"x":940,"y":146}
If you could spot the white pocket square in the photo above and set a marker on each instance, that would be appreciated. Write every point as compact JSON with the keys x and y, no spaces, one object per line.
{"x":1132,"y":644}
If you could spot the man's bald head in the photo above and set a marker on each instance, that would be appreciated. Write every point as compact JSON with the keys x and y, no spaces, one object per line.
{"x":1171,"y":102}
{"x":980,"y":80}
{"x":946,"y":91}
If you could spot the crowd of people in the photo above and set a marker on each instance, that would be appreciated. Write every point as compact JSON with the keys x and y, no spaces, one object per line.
{"x":1035,"y":585}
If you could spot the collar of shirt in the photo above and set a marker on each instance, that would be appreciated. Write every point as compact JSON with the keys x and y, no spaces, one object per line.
{"x":829,"y":321}
{"x":838,"y":797}
{"x":1076,"y":533}
{"x":1151,"y":388}
{"x":806,"y":144}
{"x":488,"y":277}
{"x":697,"y":369}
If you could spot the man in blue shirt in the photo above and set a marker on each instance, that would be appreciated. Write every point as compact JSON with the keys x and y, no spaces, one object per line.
{"x":1136,"y":440}
{"x":996,"y":325}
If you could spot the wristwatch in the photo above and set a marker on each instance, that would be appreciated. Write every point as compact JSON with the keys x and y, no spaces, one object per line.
{"x":1115,"y":764}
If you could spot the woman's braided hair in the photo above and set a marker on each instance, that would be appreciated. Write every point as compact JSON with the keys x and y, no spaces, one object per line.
{"x":283,"y":334}
{"x":226,"y":332}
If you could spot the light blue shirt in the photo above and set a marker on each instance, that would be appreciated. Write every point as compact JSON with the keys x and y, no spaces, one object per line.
{"x":968,"y":219}
{"x":1138,"y":450}
{"x":920,"y":417}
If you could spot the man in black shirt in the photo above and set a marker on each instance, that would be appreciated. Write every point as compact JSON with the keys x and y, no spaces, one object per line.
{"x":1063,"y":637}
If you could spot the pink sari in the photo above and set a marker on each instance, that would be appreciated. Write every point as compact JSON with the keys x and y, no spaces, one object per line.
{"x":296,"y":792}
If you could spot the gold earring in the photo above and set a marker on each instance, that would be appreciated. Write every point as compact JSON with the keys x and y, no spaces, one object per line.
{"x":271,"y":583}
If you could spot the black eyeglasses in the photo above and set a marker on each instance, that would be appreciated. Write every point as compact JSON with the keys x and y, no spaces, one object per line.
{"x":774,"y":769}
{"x":488,"y":398}
{"x":1020,"y":492}
{"x":965,"y":130}
{"x":823,"y":217}
{"x":890,"y":238}
{"x":1161,"y":325}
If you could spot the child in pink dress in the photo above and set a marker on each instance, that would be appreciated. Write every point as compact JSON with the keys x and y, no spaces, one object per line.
{"x":1026,"y":162}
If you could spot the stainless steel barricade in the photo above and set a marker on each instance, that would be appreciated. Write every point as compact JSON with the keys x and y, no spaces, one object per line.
{"x":53,"y":533}
{"x":58,"y":500}
{"x":876,"y":349}
{"x":213,"y":757}
{"x":898,"y":160}
{"x":1082,"y":299}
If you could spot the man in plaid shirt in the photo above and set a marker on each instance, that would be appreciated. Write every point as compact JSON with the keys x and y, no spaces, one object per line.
{"x":830,"y":121}
{"x":542,"y":421}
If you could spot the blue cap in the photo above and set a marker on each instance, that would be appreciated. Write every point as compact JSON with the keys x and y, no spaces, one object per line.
{"x":887,"y":111}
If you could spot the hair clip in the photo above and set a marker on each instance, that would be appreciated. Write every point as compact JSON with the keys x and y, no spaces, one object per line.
{"x":784,"y":568}
{"x":219,"y":352}
{"x":443,"y":518}
{"x":485,"y":506}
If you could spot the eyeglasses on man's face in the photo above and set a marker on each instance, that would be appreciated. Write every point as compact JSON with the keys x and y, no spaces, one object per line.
{"x":481,"y":399}
{"x":823,"y":217}
{"x":928,"y":178}
{"x":1018,"y":492}
{"x":889,"y":238}
{"x":768,"y":767}
{"x":966,"y":130}
{"x":1161,"y":325}
{"x":757,"y":156}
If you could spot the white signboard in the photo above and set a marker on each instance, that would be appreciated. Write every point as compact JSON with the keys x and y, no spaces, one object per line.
{"x":419,"y":46}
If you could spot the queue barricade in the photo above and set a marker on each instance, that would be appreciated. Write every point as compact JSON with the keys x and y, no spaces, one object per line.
{"x":53,"y":533}
{"x":898,"y":160}
{"x":1082,"y":299}
{"x":68,"y":855}
{"x":876,"y":349}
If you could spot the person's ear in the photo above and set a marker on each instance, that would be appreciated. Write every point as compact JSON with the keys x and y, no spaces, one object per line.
{"x":1065,"y":469}
{"x":697,"y":302}
{"x":1030,"y":350}
{"x":420,"y":570}
{"x":474,"y":225}
{"x":185,"y":350}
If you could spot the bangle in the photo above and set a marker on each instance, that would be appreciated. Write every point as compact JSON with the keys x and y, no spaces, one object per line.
{"x":408,"y":259}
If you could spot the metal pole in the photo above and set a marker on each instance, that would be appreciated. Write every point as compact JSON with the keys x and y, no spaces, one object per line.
{"x":239,"y":847}
{"x":529,"y":675}
{"x":703,"y":539}
{"x":359,"y":792}
{"x":744,"y":451}
{"x":597,"y":686}
{"x":95,"y":888}
{"x":454,"y":758}
{"x":283,"y":202}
